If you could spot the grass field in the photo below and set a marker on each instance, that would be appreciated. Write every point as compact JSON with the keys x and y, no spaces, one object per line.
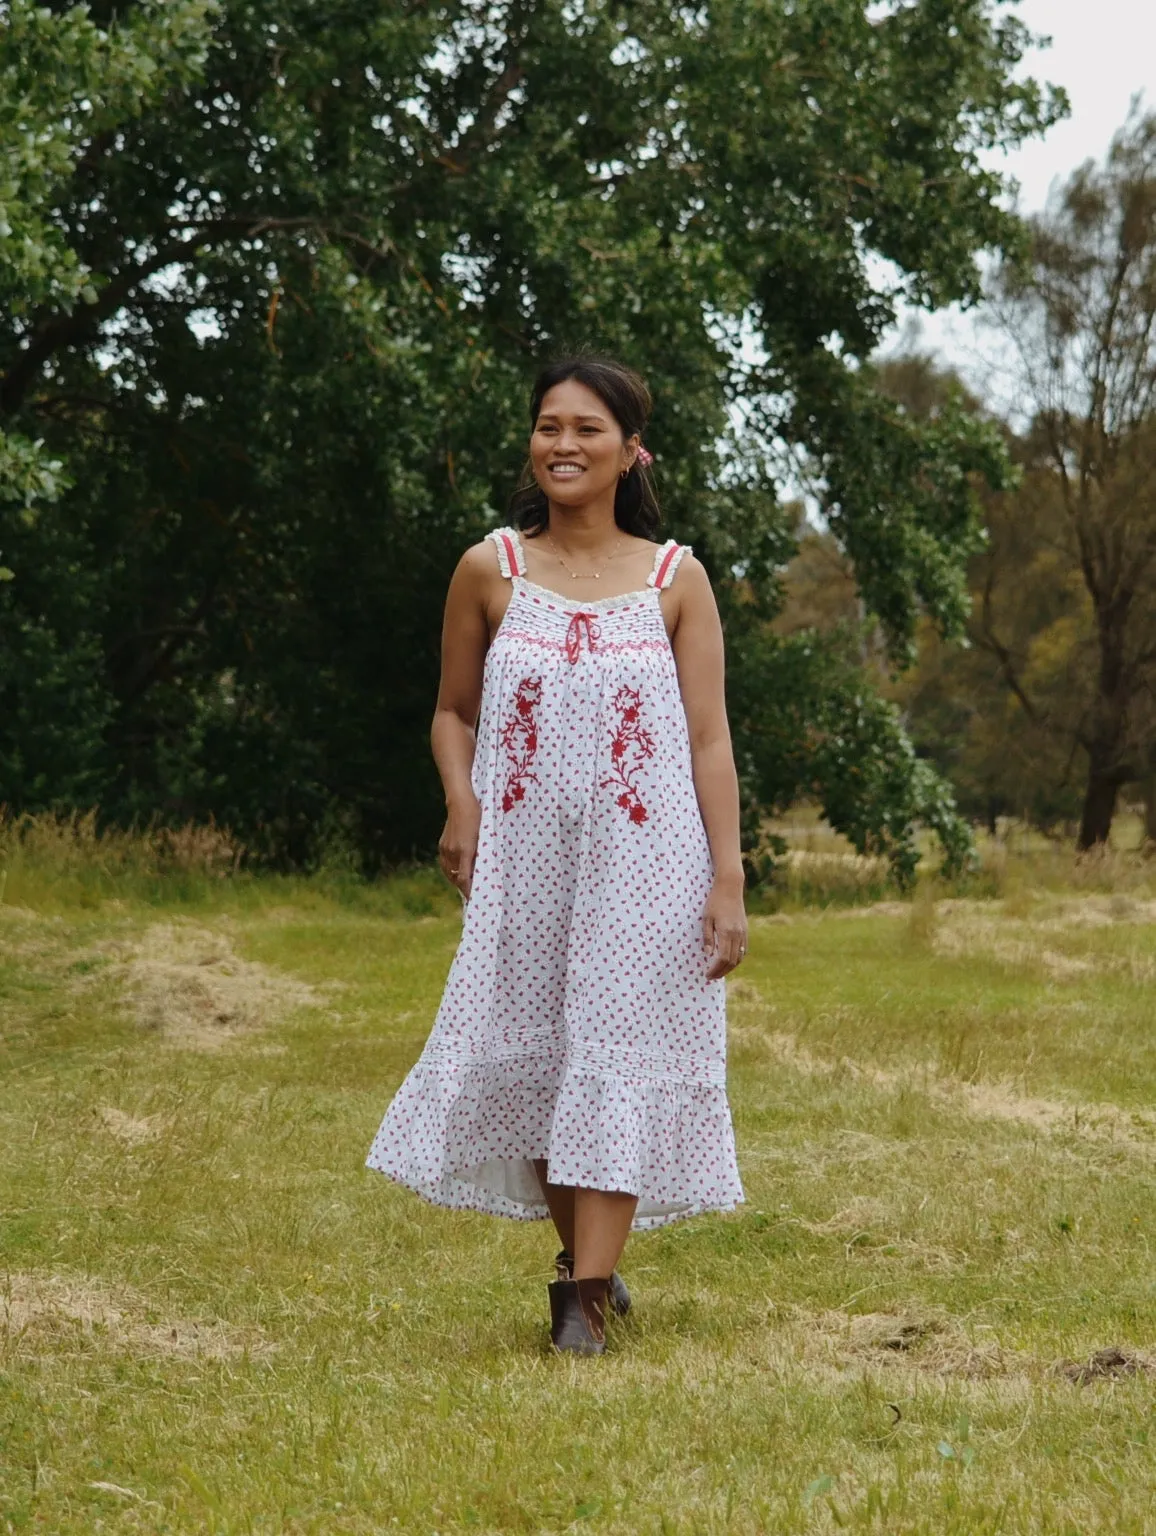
{"x":935,"y":1313}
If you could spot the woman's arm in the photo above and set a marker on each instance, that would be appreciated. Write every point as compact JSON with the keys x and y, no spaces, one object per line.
{"x":465,"y":640}
{"x":698,"y":654}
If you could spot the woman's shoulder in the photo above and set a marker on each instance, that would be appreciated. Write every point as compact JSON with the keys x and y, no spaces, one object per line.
{"x":482,"y":553}
{"x":478,"y":565}
{"x":656,"y":547}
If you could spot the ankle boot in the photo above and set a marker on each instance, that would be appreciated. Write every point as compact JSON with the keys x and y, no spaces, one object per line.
{"x":578,"y":1316}
{"x":619,"y":1297}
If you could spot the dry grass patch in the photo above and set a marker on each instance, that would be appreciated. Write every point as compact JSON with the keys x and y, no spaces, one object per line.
{"x":27,"y":935}
{"x":1106,"y":1365}
{"x":998,"y":939}
{"x":1020,"y":932}
{"x":187,"y":983}
{"x":870,"y":1222}
{"x":1103,"y":1123}
{"x":42,"y":1310}
{"x":925,"y":1341}
{"x":130,"y":1129}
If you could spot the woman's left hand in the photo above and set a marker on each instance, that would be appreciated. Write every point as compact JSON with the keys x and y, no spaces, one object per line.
{"x":724,"y":928}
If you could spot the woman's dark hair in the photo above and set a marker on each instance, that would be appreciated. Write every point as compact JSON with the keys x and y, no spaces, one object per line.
{"x":627,"y":398}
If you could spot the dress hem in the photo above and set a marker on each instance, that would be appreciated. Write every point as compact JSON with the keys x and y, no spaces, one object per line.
{"x":461,"y":1195}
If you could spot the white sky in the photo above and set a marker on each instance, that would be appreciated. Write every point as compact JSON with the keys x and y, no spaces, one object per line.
{"x":1103,"y":52}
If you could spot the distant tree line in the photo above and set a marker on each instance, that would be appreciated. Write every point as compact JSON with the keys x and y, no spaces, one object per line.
{"x":1048,"y":712}
{"x":274,"y":279}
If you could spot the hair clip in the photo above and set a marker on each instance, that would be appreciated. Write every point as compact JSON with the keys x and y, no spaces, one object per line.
{"x":645,"y":457}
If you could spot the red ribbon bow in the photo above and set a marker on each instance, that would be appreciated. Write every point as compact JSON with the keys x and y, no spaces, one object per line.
{"x":574,"y":635}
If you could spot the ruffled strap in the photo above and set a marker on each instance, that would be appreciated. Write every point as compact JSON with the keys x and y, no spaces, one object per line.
{"x":666,"y":563}
{"x":511,"y":555}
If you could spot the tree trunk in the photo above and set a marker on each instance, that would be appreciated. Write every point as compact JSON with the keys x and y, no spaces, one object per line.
{"x":1099,"y":807}
{"x":1148,"y":789}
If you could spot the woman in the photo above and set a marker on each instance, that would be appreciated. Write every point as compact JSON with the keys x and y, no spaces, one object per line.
{"x":577,"y":1066}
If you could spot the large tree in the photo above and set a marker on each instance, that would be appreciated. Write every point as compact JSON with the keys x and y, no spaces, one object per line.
{"x":1082,"y":314}
{"x":305,"y":261}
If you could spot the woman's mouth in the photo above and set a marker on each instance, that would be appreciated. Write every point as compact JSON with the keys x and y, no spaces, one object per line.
{"x":565,"y":471}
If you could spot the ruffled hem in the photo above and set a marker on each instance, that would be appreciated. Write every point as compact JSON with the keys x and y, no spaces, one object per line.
{"x":484,"y":1125}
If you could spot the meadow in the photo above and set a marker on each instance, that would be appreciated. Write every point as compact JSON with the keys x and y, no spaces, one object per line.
{"x":935,"y":1313}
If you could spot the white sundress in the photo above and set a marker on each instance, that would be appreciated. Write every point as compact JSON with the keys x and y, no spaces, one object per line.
{"x":577,"y":1022}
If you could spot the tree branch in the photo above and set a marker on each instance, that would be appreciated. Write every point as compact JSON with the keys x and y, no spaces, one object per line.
{"x":988,"y":639}
{"x":64,"y":330}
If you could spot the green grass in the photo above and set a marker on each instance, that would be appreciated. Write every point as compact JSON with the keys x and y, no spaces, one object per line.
{"x":212,"y":1318}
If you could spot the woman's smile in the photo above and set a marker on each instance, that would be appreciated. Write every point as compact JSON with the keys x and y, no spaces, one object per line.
{"x":576,"y":439}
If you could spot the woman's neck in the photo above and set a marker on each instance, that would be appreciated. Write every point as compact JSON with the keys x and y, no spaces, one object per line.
{"x":582,"y":528}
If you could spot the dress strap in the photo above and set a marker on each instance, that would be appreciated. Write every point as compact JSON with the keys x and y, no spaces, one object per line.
{"x":511,"y":555}
{"x":666,"y":563}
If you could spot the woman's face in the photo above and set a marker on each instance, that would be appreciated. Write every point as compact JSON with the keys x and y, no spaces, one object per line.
{"x":577,"y":449}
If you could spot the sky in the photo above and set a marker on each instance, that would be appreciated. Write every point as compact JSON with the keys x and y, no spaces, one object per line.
{"x":1103,"y":52}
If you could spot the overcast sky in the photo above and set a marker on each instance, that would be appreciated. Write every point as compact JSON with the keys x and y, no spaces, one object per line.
{"x":1102,"y":52}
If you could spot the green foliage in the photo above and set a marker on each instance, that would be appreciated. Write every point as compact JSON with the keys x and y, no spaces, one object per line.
{"x":1050,"y":713}
{"x":1081,"y":311}
{"x":296,"y":265}
{"x":834,"y":739}
{"x":901,"y":499}
{"x":68,"y":87}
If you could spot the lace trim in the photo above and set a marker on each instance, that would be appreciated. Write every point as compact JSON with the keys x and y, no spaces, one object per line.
{"x":504,"y":541}
{"x":666,"y":563}
{"x":598,"y":604}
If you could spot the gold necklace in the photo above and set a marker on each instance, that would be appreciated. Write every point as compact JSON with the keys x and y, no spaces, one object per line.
{"x":578,"y":575}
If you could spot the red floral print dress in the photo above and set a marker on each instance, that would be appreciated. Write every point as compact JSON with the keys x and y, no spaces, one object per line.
{"x":577,"y":1023}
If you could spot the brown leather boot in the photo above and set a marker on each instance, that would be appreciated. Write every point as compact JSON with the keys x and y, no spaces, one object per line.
{"x":619,"y":1298}
{"x":578,"y":1316}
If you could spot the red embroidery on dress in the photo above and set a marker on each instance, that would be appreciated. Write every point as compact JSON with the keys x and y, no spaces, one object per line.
{"x":519,"y":736}
{"x":544,"y":643}
{"x":630,"y":746}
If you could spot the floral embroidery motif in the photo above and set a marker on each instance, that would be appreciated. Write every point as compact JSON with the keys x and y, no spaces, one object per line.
{"x":519,"y":736}
{"x":630,"y":746}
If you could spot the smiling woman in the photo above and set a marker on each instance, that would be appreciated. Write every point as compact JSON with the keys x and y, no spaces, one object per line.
{"x":588,"y":416}
{"x":577,"y":1065}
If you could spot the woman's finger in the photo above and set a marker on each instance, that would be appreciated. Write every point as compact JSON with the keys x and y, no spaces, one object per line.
{"x":457,"y":864}
{"x":451,"y":863}
{"x":730,"y":951}
{"x":721,"y":961}
{"x":709,"y":932}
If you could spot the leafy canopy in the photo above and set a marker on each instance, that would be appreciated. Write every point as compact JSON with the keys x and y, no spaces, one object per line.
{"x":290,"y":269}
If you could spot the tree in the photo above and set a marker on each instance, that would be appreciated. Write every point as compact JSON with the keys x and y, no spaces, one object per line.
{"x":1082,"y":314}
{"x":67,"y":86}
{"x":315,"y":268}
{"x":955,"y":700}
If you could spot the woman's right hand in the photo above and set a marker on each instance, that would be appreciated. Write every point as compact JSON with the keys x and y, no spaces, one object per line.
{"x":458,"y":846}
